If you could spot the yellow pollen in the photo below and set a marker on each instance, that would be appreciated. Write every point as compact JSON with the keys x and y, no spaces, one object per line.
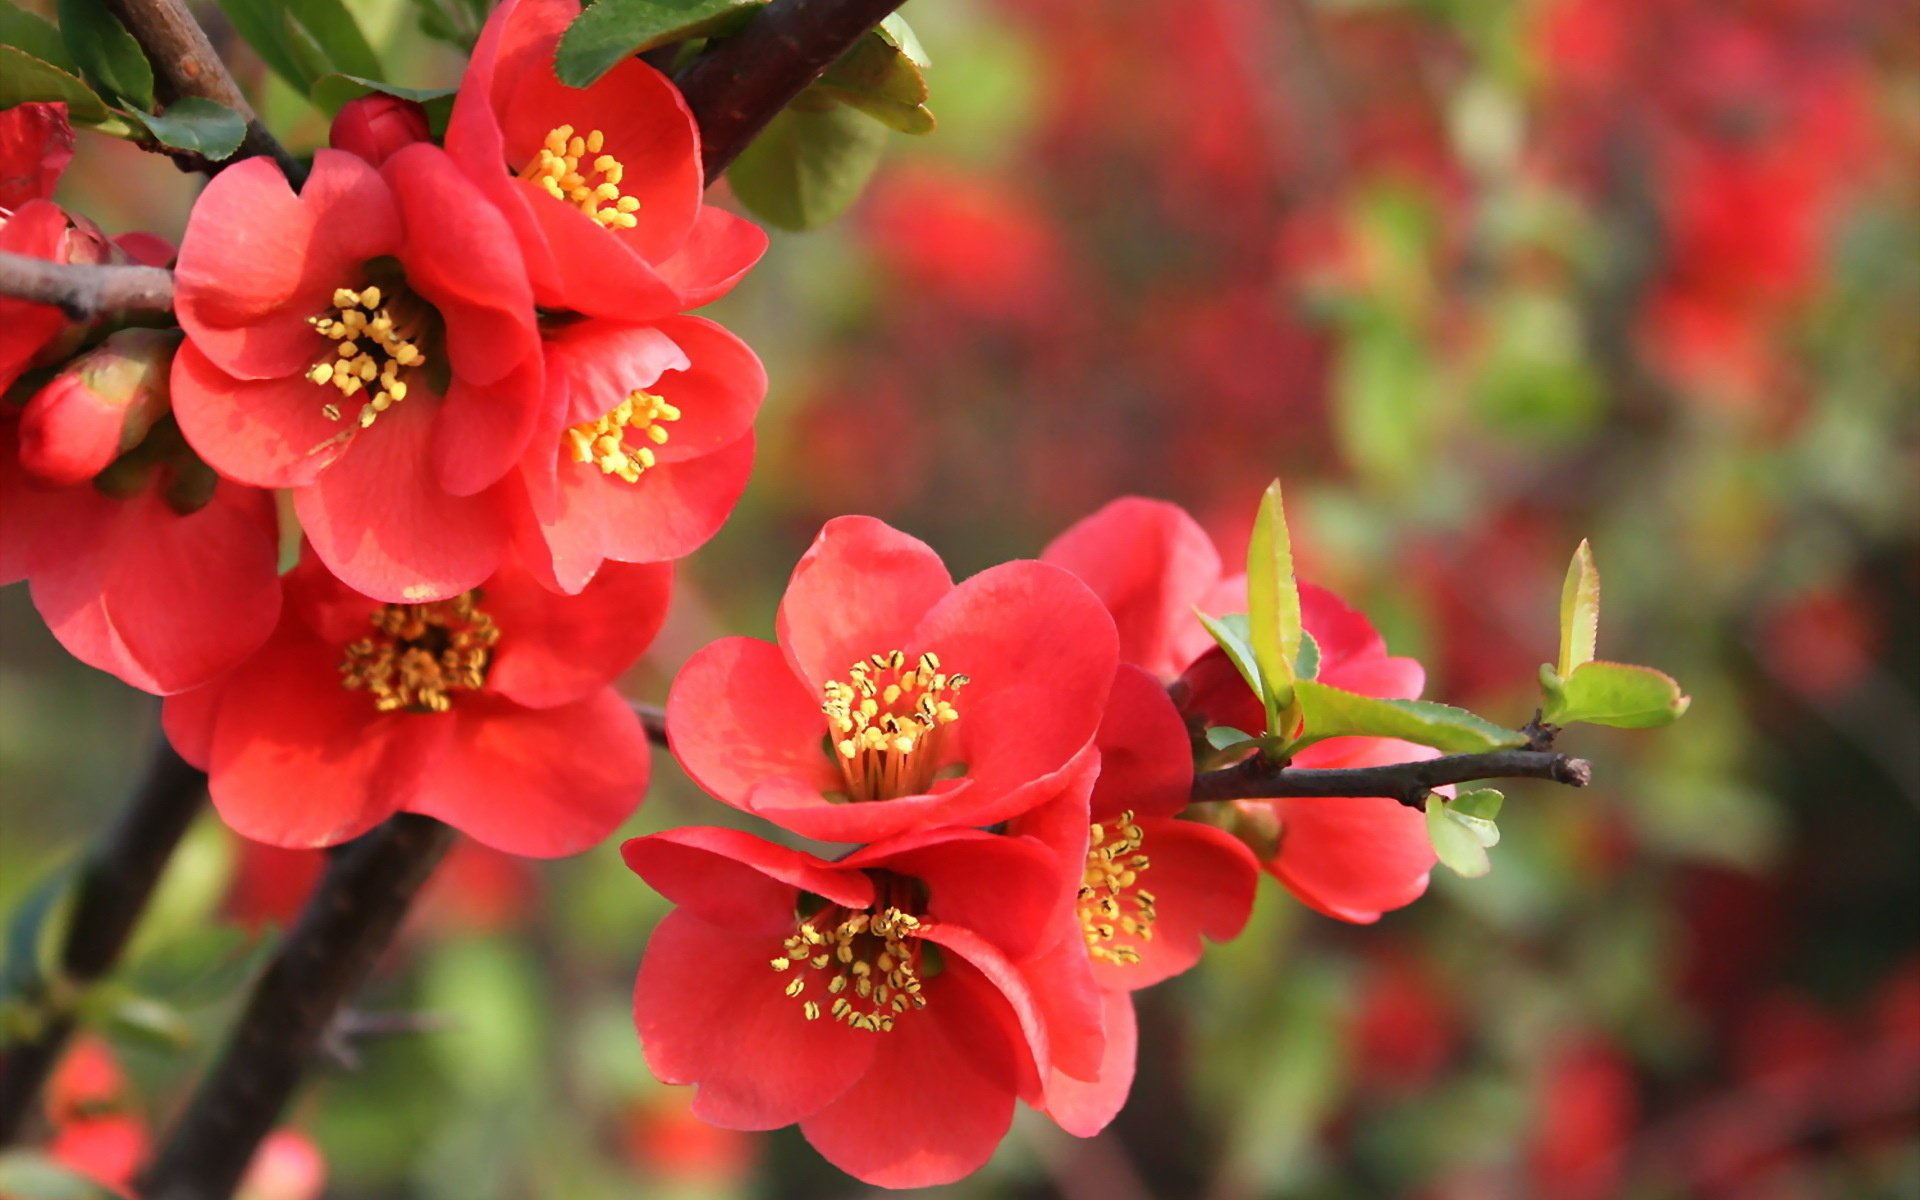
{"x":594,"y":188}
{"x":421,"y":654}
{"x":604,"y":442}
{"x":872,"y":955}
{"x":1115,"y":912}
{"x":370,"y":354}
{"x":887,"y":721}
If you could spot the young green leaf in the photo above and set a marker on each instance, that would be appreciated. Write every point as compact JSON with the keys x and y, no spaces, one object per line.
{"x":25,"y":79}
{"x":1226,"y":737}
{"x":35,"y":35}
{"x":1481,"y":803}
{"x":1332,"y":712}
{"x":1460,"y":839}
{"x":303,"y":40}
{"x":333,"y":28}
{"x":108,"y":55}
{"x":1230,"y":634}
{"x":30,"y":1175}
{"x":612,"y":30}
{"x":1273,"y":604}
{"x":210,"y":130}
{"x":808,"y":165}
{"x":1306,"y":664}
{"x":1579,"y":610}
{"x":1616,"y":694}
{"x":882,"y":77}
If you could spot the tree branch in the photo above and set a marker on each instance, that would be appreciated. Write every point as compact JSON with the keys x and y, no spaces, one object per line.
{"x":186,"y":64}
{"x":738,"y":86}
{"x":115,"y":880}
{"x":1409,"y":783}
{"x":83,"y":290}
{"x":351,"y":917}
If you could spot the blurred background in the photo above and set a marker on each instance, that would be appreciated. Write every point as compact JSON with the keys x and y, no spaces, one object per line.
{"x":1476,"y":279}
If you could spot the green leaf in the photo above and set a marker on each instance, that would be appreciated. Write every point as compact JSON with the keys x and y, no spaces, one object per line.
{"x":1481,"y":803}
{"x":808,"y":165}
{"x":211,"y":130}
{"x":28,"y":1175}
{"x":1230,"y":633}
{"x":1461,"y":840}
{"x":612,"y":30}
{"x":25,"y":79}
{"x":882,"y":77}
{"x":108,"y":55}
{"x":332,"y":92}
{"x":1226,"y":737}
{"x":1306,"y":664}
{"x":35,"y":35}
{"x":1616,"y":694}
{"x":130,"y":1017}
{"x":201,"y":967}
{"x":33,"y":933}
{"x":302,"y":40}
{"x":1579,"y":610}
{"x":1331,"y":712}
{"x":1273,"y":604}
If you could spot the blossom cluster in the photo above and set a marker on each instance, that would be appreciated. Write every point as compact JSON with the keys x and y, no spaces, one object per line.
{"x":397,"y":501}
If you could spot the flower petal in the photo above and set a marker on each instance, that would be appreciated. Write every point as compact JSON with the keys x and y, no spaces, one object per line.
{"x":1007,"y":890}
{"x":711,"y":1012}
{"x":720,"y":248}
{"x":556,"y":650}
{"x":1085,"y":1107}
{"x":860,"y":589}
{"x":737,"y":718}
{"x":265,"y":432}
{"x":738,"y":881}
{"x":1354,"y":858}
{"x":1150,"y":564}
{"x":1146,"y":755}
{"x":539,"y":782}
{"x":1203,"y":882}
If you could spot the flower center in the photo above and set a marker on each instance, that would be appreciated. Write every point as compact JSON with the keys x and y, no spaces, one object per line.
{"x":421,"y":654}
{"x":871,"y":968}
{"x":594,"y":189}
{"x":604,"y":442}
{"x":1110,"y":889}
{"x":888,"y":723}
{"x":370,"y":352}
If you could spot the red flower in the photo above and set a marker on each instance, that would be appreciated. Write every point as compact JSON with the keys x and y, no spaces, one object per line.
{"x":36,"y":144}
{"x":1151,"y":885}
{"x":491,"y":711}
{"x":1152,"y":564}
{"x":378,"y":126}
{"x":875,"y":1000}
{"x":155,"y":572}
{"x":369,"y":343}
{"x":100,"y":406}
{"x":896,"y":701}
{"x":601,"y":185}
{"x":649,"y":447}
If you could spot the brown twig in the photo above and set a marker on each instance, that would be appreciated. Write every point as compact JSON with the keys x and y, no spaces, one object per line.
{"x":1409,"y":783}
{"x":353,"y":914}
{"x":115,"y":880}
{"x":83,"y":290}
{"x":735,"y":88}
{"x":186,"y":64}
{"x":653,"y":720}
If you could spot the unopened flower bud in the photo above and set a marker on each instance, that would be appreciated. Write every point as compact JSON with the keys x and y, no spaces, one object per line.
{"x":377,"y":125}
{"x":99,"y":407}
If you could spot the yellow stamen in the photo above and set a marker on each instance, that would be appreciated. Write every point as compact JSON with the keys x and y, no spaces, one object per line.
{"x":888,"y":722}
{"x":421,"y":654}
{"x":1114,"y":866}
{"x":593,"y":188}
{"x":874,"y":956}
{"x":604,"y":442}
{"x":371,"y":349}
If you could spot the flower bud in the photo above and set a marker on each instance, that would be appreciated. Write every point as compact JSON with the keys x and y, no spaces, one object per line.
{"x":99,"y":407}
{"x":377,"y":125}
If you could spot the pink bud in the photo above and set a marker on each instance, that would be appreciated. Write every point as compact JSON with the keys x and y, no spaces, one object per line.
{"x":377,"y":125}
{"x":99,"y":407}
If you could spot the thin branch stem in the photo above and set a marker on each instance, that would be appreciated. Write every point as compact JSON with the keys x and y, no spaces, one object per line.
{"x":351,"y":917}
{"x":116,"y":878}
{"x":653,"y":720}
{"x":1409,"y":783}
{"x":738,"y":86}
{"x":83,"y":290}
{"x":186,"y":64}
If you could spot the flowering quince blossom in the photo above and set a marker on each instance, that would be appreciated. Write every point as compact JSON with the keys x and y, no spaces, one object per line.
{"x":649,"y":445}
{"x":889,"y":1002}
{"x":1152,"y":564}
{"x":491,"y":710}
{"x":600,"y":185}
{"x":369,"y":343}
{"x":895,"y":700}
